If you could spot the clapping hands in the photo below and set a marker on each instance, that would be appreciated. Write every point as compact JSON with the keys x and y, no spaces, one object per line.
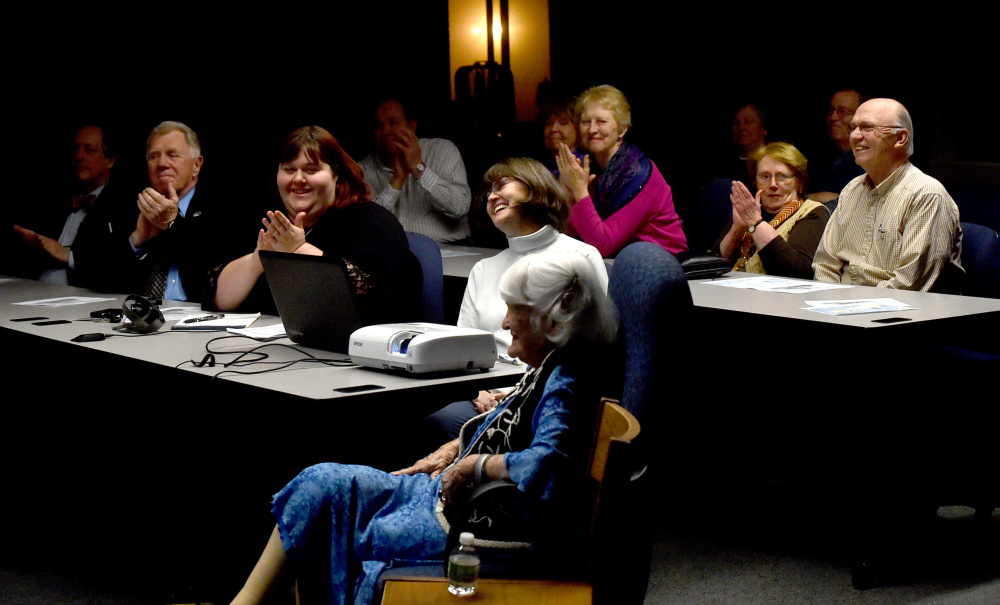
{"x":746,"y":207}
{"x":573,"y":174}
{"x":280,"y":234}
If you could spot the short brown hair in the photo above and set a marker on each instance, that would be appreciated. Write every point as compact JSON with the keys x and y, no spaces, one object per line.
{"x":547,"y":202}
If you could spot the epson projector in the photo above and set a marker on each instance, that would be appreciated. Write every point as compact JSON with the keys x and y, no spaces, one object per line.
{"x":419,"y":348}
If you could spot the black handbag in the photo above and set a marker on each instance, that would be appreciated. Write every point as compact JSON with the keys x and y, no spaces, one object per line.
{"x":703,"y":266}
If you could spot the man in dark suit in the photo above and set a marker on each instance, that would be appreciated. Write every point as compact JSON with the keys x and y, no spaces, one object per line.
{"x":171,"y":236}
{"x":83,"y":234}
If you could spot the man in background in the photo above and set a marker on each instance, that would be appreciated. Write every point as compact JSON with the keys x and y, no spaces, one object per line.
{"x":77,"y":247}
{"x":422,"y":181}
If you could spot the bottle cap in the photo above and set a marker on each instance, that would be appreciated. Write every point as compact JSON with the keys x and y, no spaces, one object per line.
{"x":466,"y":538}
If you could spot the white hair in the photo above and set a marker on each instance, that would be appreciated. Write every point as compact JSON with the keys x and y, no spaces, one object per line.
{"x":564,"y":287}
{"x":905,"y":121}
{"x":169,"y":126}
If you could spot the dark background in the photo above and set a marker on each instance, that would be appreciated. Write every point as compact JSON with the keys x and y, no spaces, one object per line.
{"x":244,"y":79}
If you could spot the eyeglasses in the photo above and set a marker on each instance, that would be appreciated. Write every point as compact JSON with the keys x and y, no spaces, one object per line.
{"x":499,"y":185}
{"x":867,"y":128}
{"x":778,"y":176}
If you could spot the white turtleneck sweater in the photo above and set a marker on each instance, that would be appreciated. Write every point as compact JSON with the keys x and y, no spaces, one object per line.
{"x":482,"y":306}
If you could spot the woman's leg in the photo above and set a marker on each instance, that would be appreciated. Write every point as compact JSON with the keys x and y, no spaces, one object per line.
{"x":265,"y":574}
{"x":445,"y":424}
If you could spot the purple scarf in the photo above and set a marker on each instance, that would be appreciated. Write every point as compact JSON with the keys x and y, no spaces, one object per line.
{"x":627,"y":173}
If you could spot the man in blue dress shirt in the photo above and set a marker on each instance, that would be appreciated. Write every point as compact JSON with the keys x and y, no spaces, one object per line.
{"x":168,"y":230}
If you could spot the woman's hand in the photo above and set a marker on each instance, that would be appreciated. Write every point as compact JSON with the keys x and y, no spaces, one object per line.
{"x":458,"y":477}
{"x":487,"y":401}
{"x":282,"y":235}
{"x":262,"y":244}
{"x":746,"y":207}
{"x":433,"y":463}
{"x":574,"y":175}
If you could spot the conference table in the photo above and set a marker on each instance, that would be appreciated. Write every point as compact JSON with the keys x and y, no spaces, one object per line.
{"x":345,"y":384}
{"x":930,"y":313}
{"x":457,"y":263}
{"x":125,"y":444}
{"x":897,"y":398}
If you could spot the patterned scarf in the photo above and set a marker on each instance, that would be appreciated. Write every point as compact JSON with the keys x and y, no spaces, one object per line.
{"x":506,"y":432}
{"x":625,"y":176}
{"x":748,"y":248}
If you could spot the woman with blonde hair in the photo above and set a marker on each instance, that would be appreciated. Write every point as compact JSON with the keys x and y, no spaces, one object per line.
{"x":777,"y":231}
{"x":618,"y":194}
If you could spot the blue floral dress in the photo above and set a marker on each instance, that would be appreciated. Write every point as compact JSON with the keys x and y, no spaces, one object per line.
{"x":342,"y":525}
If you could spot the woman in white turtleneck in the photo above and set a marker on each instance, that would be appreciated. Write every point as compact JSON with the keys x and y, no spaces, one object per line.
{"x":531,"y":208}
{"x":528,"y":205}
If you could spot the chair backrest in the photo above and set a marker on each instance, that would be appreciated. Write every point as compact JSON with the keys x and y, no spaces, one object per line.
{"x":648,"y":287}
{"x":432,"y":295}
{"x":981,"y":261}
{"x":616,"y":425}
{"x":706,"y":215}
{"x":617,"y":567}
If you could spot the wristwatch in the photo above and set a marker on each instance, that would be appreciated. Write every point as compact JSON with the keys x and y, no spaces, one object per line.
{"x":753,"y":227}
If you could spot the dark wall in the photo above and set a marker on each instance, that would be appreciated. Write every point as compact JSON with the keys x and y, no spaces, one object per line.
{"x":243,"y":81}
{"x":685,"y":72}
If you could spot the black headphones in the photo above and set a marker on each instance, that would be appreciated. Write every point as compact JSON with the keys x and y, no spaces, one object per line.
{"x":144,"y":315}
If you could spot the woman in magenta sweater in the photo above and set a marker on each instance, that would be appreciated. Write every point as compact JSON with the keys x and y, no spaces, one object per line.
{"x":626,"y":199}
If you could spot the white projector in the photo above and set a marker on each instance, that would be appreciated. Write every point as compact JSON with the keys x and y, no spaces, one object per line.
{"x":422,"y":347}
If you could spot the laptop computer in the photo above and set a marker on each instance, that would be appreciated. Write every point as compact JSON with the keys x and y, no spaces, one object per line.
{"x":314,"y":300}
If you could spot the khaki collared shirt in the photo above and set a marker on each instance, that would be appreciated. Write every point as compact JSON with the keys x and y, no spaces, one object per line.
{"x":902,"y":234}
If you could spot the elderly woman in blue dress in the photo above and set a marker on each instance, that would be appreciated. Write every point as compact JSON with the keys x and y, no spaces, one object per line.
{"x":338,"y":526}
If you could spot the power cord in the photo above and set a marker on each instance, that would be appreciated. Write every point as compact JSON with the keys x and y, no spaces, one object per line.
{"x":256,"y":356}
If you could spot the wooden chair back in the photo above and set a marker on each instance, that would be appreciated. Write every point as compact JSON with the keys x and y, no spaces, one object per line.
{"x":616,"y":425}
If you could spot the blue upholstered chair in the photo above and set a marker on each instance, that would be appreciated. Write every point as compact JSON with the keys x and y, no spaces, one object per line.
{"x":981,"y":261}
{"x":432,"y":295}
{"x":648,"y":286}
{"x":706,"y":216}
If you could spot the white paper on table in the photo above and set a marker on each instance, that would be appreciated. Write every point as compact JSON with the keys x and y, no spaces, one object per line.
{"x":262,"y":333}
{"x":179,"y":313}
{"x":776,"y":284}
{"x":856,"y":306}
{"x":64,"y":301}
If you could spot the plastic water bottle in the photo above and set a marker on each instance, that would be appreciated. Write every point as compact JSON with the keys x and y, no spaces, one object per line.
{"x":463,"y":567}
